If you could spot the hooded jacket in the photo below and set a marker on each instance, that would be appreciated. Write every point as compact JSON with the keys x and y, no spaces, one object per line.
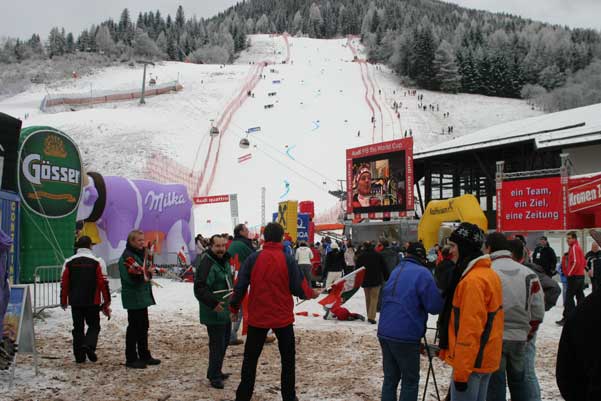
{"x":476,"y":323}
{"x":523,"y":300}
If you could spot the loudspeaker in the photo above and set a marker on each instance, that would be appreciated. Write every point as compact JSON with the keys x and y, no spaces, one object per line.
{"x":10,"y":129}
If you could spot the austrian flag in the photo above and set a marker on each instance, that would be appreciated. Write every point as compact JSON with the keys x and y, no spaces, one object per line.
{"x":181,"y":257}
{"x":344,"y":288}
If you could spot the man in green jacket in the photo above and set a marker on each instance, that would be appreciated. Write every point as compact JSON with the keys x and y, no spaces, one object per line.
{"x":240,"y":248}
{"x":136,"y":296}
{"x":212,"y":288}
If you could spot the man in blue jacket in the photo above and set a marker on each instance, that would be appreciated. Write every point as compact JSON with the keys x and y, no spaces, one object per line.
{"x":409,"y":295}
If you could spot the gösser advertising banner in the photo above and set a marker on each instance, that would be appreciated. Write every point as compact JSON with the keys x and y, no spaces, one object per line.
{"x":379,"y":179}
{"x":531,"y":205}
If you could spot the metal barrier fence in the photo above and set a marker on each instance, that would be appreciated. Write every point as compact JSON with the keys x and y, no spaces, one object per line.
{"x":46,"y":288}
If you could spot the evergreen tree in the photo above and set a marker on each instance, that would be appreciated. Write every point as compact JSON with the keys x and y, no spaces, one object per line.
{"x":447,"y":71}
{"x":162,"y":42}
{"x":297,"y":22}
{"x":172,"y":51}
{"x":315,"y":21}
{"x":56,"y":42}
{"x":70,"y":43}
{"x":422,"y":67}
{"x":104,"y":42}
{"x":180,"y":20}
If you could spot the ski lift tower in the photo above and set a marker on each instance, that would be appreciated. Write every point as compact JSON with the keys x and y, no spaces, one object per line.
{"x":142,"y":101}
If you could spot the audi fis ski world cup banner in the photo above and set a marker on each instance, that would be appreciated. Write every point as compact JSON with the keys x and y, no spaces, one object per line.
{"x":379,"y":179}
{"x":532,"y":205}
{"x":49,"y":178}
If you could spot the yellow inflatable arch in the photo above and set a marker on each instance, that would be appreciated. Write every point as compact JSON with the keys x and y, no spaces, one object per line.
{"x":463,"y":208}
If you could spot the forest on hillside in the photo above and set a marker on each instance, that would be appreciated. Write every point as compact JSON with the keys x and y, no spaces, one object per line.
{"x":428,"y":43}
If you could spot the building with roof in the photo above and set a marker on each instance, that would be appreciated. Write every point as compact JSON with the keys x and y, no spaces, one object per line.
{"x":468,"y":164}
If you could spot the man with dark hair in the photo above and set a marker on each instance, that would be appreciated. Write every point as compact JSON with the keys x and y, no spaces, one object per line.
{"x":523,"y":304}
{"x":574,"y":271}
{"x":136,"y":296}
{"x":471,"y":334}
{"x":409,"y":295}
{"x":274,"y":277}
{"x":544,"y":256}
{"x":240,"y":248}
{"x":85,"y":287}
{"x":212,"y":289}
{"x":551,"y":292}
{"x":375,"y":275}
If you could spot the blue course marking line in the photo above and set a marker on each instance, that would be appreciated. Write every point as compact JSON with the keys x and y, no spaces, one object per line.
{"x":288,"y":151}
{"x":287,"y":185}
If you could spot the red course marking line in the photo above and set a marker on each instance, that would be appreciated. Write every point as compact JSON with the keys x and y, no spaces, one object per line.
{"x":373,"y":97}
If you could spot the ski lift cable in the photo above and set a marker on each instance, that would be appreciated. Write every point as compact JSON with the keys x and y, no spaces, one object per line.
{"x":335,"y":182}
{"x":309,"y":180}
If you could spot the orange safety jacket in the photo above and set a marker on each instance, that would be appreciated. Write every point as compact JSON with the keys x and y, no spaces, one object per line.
{"x":476,"y":323}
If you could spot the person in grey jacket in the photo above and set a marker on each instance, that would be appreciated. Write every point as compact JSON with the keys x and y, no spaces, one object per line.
{"x":551,"y":292}
{"x":523,"y":304}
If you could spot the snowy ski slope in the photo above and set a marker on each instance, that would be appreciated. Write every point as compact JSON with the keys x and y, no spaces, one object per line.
{"x":320,"y":105}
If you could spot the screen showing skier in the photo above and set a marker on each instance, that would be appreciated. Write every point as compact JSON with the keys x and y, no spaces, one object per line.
{"x":380,"y":177}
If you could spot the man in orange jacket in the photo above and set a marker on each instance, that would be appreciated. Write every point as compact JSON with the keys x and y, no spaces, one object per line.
{"x":475,"y":319}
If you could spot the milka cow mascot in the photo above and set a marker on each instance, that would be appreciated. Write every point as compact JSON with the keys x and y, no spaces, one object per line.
{"x":118,"y":205}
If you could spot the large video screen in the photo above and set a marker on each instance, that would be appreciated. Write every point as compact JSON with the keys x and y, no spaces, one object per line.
{"x":380,"y":178}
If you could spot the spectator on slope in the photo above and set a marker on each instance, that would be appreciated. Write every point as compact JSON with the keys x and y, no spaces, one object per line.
{"x":578,"y":362}
{"x":85,"y":287}
{"x":303,"y":258}
{"x":349,"y":258}
{"x":574,"y":271}
{"x":472,"y":340}
{"x":274,"y":278}
{"x":334,"y":267}
{"x":593,"y":265}
{"x":409,"y":295}
{"x":212,"y":288}
{"x":551,"y":292}
{"x":544,"y":256}
{"x":240,"y":248}
{"x":391,"y":257}
{"x":375,"y":274}
{"x":136,"y":296}
{"x":523,"y":303}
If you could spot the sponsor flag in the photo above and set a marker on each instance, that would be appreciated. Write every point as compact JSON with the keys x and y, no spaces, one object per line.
{"x":344,"y":288}
{"x":181,"y":257}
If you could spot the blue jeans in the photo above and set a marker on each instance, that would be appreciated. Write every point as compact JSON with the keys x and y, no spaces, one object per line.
{"x":401,"y":362}
{"x":477,"y":387}
{"x":531,"y":378}
{"x":512,"y":371}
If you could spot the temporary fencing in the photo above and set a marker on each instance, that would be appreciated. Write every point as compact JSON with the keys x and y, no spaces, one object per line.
{"x":52,"y":102}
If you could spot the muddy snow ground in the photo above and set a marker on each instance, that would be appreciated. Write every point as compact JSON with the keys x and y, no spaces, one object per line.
{"x":335,"y":361}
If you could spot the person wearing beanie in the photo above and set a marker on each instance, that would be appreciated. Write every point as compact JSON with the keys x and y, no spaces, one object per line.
{"x":362,"y":188}
{"x":472,"y":325}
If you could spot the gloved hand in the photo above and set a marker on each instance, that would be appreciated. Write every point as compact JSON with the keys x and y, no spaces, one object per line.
{"x":460,"y":386}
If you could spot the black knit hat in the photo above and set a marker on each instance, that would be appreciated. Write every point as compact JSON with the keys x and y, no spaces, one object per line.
{"x":468,"y":237}
{"x":417,"y":250}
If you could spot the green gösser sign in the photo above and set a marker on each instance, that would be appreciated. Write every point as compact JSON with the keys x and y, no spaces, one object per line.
{"x":50,"y":182}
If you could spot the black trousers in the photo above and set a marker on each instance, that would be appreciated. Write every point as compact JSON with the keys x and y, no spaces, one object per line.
{"x":575,"y":289}
{"x":136,"y":336}
{"x":219,"y":339}
{"x":83,"y":315}
{"x":255,"y":340}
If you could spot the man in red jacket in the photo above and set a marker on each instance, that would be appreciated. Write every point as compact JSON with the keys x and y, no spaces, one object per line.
{"x":85,"y":287}
{"x":574,"y":271}
{"x":273,"y":277}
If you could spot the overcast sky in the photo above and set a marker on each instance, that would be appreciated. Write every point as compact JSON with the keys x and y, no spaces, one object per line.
{"x":21,"y":18}
{"x":574,"y":13}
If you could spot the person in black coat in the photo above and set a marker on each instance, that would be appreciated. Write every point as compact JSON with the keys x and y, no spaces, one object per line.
{"x":593,"y":265}
{"x":544,"y":256}
{"x":375,"y":274}
{"x":334,"y":266}
{"x":579,"y":362}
